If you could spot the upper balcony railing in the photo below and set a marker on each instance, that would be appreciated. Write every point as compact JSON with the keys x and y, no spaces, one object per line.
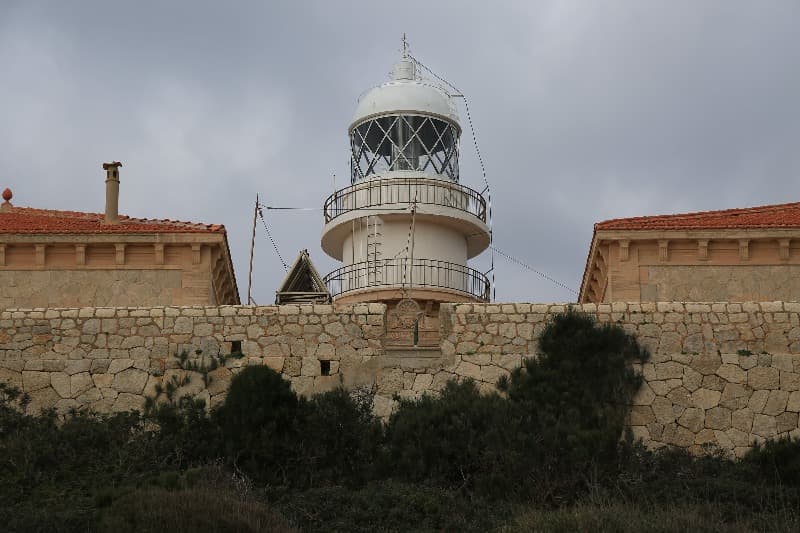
{"x":427,"y":191}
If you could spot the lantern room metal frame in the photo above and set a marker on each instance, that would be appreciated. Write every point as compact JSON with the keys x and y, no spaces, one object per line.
{"x":397,"y":142}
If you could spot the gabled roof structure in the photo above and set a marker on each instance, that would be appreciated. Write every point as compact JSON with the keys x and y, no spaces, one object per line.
{"x":302,"y":284}
{"x":699,"y":238}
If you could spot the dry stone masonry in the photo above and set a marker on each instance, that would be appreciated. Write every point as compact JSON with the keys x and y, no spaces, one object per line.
{"x":720,"y":374}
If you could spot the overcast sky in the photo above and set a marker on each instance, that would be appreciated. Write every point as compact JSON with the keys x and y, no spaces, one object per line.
{"x":584,"y":111}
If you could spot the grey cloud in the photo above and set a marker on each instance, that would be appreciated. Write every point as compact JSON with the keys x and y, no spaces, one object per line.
{"x":584,"y":111}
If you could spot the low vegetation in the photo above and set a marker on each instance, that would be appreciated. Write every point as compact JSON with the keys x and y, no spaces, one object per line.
{"x":543,"y":454}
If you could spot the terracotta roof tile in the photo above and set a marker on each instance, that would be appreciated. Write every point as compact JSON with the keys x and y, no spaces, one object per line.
{"x":767,"y":216}
{"x":29,"y":220}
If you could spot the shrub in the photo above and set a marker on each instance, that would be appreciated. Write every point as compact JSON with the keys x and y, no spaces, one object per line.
{"x":338,"y":440}
{"x":462,"y":440}
{"x":777,"y":461}
{"x":575,"y":394}
{"x":259,"y":423}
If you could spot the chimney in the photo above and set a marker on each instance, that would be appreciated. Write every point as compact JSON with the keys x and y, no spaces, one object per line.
{"x":112,"y":192}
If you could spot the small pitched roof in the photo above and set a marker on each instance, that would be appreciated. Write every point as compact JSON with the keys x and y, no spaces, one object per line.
{"x":302,"y":283}
{"x":766,"y":216}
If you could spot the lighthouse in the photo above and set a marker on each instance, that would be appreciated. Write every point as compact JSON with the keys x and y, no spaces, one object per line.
{"x":405,"y":228}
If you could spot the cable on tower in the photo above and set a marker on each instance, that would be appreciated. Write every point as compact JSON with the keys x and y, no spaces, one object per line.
{"x":542,"y":274}
{"x":486,"y":190}
{"x":269,"y":234}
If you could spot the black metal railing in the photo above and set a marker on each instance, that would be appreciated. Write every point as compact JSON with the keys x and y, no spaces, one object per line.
{"x":405,"y":191}
{"x":401,"y":273}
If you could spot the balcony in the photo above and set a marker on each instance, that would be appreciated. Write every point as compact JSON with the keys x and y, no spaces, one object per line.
{"x":401,"y":273}
{"x":384,"y":192}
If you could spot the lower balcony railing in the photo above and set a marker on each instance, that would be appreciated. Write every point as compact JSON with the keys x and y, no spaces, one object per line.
{"x":402,"y":273}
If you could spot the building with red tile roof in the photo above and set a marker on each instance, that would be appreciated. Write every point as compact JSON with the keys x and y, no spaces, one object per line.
{"x":746,"y":254}
{"x":51,"y":258}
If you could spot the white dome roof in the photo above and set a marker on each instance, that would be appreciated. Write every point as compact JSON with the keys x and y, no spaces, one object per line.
{"x":404,"y":95}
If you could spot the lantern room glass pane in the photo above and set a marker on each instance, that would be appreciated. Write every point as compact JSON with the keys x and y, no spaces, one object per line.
{"x":404,"y":142}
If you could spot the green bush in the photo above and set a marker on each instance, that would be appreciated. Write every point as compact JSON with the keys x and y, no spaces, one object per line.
{"x":575,"y":394}
{"x":777,"y":461}
{"x":259,"y":424}
{"x":389,"y":506}
{"x":338,"y":440}
{"x":460,"y":440}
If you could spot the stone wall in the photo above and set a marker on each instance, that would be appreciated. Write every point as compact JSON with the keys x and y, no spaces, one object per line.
{"x":76,"y":288}
{"x":726,"y":374}
{"x":111,"y":359}
{"x":714,"y":282}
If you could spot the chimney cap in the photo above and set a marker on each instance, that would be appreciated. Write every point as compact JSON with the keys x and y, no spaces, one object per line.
{"x":113,"y":164}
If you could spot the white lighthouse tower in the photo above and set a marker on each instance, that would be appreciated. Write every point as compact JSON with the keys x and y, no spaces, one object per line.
{"x":405,"y":228}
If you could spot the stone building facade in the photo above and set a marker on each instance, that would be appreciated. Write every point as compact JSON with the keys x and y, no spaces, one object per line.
{"x":750,"y":254}
{"x":54,"y":258}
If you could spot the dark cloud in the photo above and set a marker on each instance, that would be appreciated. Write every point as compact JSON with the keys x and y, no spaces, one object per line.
{"x":584,"y":111}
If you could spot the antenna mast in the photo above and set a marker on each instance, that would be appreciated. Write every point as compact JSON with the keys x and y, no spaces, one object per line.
{"x":252,"y":248}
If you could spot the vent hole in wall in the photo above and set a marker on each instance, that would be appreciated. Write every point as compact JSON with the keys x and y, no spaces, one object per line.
{"x":236,"y":347}
{"x":325,"y":368}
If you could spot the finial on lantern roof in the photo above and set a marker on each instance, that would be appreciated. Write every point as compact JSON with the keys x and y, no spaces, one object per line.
{"x":406,"y":68}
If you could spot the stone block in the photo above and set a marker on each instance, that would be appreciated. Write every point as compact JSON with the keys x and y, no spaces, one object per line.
{"x":692,"y":419}
{"x":735,"y":396}
{"x":793,"y":404}
{"x":706,"y":364}
{"x":763,"y":378}
{"x":183,"y":324}
{"x":477,"y":358}
{"x":468,"y":370}
{"x":786,"y":422}
{"x":641,"y":415}
{"x":664,"y":411}
{"x":757,"y":400}
{"x":706,"y":398}
{"x":718,"y":418}
{"x":128,"y":402}
{"x":669,"y":370}
{"x":783,"y":361}
{"x":765,"y":426}
{"x":80,"y":383}
{"x":491,"y":373}
{"x":679,"y":396}
{"x":102,"y":381}
{"x":390,"y":380}
{"x":35,"y":380}
{"x":422,"y":382}
{"x":790,"y":381}
{"x":310,"y":367}
{"x":61,"y":384}
{"x":732,"y":373}
{"x":678,"y":436}
{"x":644,"y":396}
{"x":776,"y":402}
{"x":334,"y":329}
{"x":274,"y":362}
{"x":692,"y":379}
{"x":130,"y":381}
